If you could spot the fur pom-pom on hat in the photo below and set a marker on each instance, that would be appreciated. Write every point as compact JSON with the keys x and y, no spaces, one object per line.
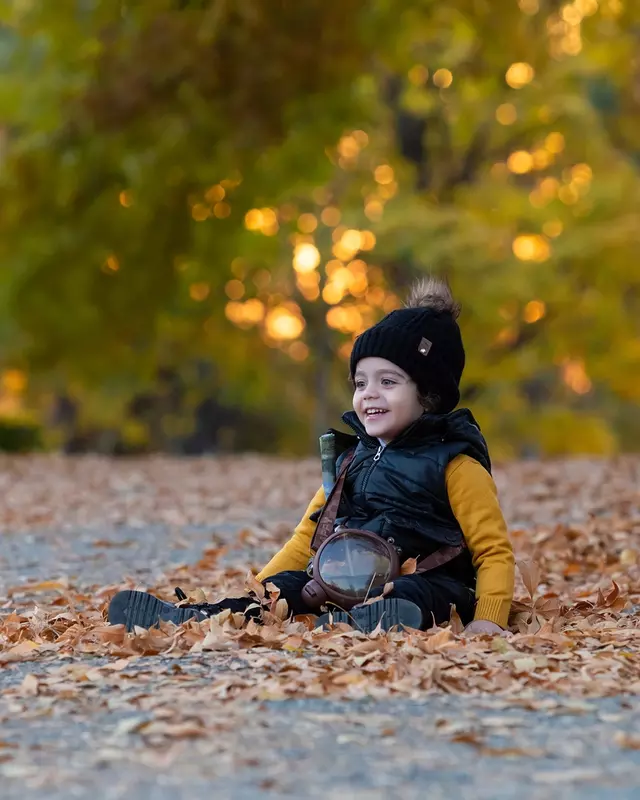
{"x":433,"y":293}
{"x":423,"y":339}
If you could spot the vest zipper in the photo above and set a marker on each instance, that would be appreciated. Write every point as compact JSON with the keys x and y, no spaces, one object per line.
{"x":376,"y":458}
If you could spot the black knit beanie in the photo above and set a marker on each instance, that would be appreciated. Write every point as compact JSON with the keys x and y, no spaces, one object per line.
{"x":423,"y":339}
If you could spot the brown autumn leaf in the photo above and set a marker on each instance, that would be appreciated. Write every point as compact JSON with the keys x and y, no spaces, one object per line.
{"x":254,"y":586}
{"x":455,"y":622}
{"x":575,"y":631}
{"x":273,"y":590}
{"x":530,"y":573}
{"x":409,"y":566}
{"x":281,"y":609}
{"x":196,"y":596}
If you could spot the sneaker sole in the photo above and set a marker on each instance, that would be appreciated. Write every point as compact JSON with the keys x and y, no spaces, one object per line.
{"x":143,"y":610}
{"x":389,"y":613}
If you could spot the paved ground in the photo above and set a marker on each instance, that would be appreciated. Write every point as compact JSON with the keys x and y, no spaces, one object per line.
{"x":438,"y":746}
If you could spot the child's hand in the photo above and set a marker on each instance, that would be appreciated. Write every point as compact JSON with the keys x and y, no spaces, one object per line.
{"x":483,"y":626}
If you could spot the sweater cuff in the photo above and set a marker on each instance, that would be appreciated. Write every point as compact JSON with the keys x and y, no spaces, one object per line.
{"x":494,"y":609}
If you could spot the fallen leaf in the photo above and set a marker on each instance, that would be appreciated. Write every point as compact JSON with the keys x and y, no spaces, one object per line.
{"x":409,"y":566}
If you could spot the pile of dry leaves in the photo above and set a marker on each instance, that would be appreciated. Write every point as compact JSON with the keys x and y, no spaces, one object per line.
{"x":574,"y":629}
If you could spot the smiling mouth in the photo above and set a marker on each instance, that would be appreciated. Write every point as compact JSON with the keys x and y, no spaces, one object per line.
{"x":374,"y":413}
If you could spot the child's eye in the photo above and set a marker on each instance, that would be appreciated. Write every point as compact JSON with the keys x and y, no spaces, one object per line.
{"x":388,"y":382}
{"x":359,"y":384}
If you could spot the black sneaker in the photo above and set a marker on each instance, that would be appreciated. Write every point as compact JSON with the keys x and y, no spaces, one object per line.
{"x":144,"y":610}
{"x":391,"y":612}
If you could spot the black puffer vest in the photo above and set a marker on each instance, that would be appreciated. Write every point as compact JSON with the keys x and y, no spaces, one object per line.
{"x":399,"y":491}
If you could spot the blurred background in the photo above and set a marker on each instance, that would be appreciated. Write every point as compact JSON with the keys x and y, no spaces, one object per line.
{"x":204,"y":201}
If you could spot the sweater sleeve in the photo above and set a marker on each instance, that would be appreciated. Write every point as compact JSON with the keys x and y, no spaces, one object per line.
{"x":295,"y":554}
{"x":474,"y":500}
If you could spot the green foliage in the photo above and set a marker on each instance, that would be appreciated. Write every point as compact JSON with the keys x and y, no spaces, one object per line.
{"x":19,"y":436}
{"x":138,"y":136}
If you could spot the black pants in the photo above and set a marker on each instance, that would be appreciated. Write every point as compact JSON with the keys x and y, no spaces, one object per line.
{"x":433,"y":592}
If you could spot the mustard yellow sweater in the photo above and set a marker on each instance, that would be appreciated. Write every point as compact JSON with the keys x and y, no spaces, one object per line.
{"x":474,"y":501}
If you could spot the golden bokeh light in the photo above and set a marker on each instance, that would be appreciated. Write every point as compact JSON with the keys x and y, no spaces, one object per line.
{"x":330,"y":216}
{"x":368,"y":241}
{"x":443,"y":78}
{"x":374,"y":210}
{"x":199,"y":291}
{"x":586,"y":7}
{"x":531,"y":247}
{"x":307,"y":223}
{"x":388,"y":190}
{"x":568,"y":194}
{"x":352,"y":239}
{"x":126,"y":199}
{"x":282,"y":323}
{"x":253,"y":311}
{"x":331,"y":266}
{"x":262,"y":279}
{"x":348,"y":147}
{"x":506,"y":336}
{"x":332,"y":294}
{"x":575,"y":376}
{"x":520,"y":162}
{"x":383,"y":174}
{"x":346,"y":319}
{"x":519,"y":74}
{"x":221,"y":210}
{"x":552,"y":228}
{"x":234,"y":312}
{"x":253,"y":219}
{"x":555,"y":142}
{"x":362,"y":137}
{"x":534,"y":311}
{"x":215,"y":194}
{"x":269,"y":222}
{"x":541,"y":158}
{"x":306,"y":257}
{"x":200,"y":212}
{"x":572,"y":14}
{"x":581,"y":174}
{"x":418,"y":75}
{"x":234,"y":289}
{"x":14,"y":381}
{"x":298,"y":351}
{"x":548,"y":188}
{"x":344,"y":351}
{"x":308,"y":284}
{"x":530,"y":7}
{"x":506,"y":114}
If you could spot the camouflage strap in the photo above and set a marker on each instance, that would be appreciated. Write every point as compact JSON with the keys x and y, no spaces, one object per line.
{"x":327,"y":518}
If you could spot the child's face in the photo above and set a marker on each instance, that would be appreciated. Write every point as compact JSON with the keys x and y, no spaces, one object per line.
{"x":385,"y":398}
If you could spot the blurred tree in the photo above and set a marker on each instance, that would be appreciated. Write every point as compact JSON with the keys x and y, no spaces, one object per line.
{"x":254,"y":183}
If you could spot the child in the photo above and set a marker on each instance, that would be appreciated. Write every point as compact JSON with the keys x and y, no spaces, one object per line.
{"x":419,"y":477}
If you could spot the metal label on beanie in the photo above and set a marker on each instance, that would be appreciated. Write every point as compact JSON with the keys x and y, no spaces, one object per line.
{"x":424,"y":346}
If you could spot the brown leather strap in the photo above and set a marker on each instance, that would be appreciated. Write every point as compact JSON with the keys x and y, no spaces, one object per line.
{"x":324,"y":527}
{"x":441,"y":556}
